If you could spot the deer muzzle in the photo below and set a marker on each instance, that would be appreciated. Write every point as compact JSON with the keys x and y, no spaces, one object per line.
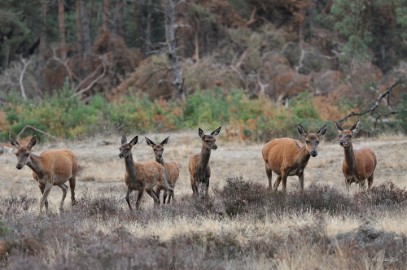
{"x":314,"y":153}
{"x":19,"y":166}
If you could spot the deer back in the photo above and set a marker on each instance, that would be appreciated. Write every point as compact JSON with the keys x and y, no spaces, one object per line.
{"x":282,"y":153}
{"x":150,"y":173}
{"x":366,"y":162}
{"x":61,"y":164}
{"x":172,"y":172}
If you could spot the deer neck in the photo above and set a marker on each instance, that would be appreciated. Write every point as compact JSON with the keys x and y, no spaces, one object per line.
{"x":303,"y":155}
{"x":131,"y":171}
{"x":36,"y":164}
{"x":350,"y":158}
{"x":160,"y":160}
{"x":204,"y":158}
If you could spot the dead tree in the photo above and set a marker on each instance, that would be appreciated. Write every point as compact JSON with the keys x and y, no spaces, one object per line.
{"x":178,"y":82}
{"x":373,"y":108}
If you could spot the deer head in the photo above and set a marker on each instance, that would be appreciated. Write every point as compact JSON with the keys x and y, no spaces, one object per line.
{"x":157,"y":148}
{"x":311,"y":139}
{"x":209,"y":141}
{"x":345,"y":135}
{"x":125,"y":148}
{"x":23,"y":151}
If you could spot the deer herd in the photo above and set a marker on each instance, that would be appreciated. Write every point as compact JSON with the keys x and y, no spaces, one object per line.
{"x":283,"y":156}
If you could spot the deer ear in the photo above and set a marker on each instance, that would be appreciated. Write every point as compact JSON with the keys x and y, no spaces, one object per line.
{"x":13,"y":141}
{"x":302,"y":130}
{"x":200,"y":132}
{"x":32,"y":142}
{"x":149,"y":142}
{"x":134,"y":141}
{"x":338,"y":127}
{"x":355,"y":128}
{"x":321,"y":131}
{"x":124,"y":139}
{"x":165,"y":141}
{"x":216,"y":131}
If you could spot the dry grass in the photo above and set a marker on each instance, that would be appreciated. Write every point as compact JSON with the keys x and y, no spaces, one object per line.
{"x":242,"y":225}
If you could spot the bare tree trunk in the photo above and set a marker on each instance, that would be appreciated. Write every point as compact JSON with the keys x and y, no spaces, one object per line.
{"x":43,"y":32}
{"x":148,"y":26}
{"x":87,"y":43}
{"x":118,"y":18}
{"x":106,"y":13}
{"x":178,"y":91}
{"x":78,"y":27}
{"x":61,"y":25}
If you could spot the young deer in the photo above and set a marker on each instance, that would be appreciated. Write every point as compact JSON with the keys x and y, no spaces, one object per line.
{"x":171,"y":168}
{"x":198,"y":167}
{"x":358,"y":165}
{"x":289,"y":157}
{"x":50,"y":168}
{"x":141,"y":176}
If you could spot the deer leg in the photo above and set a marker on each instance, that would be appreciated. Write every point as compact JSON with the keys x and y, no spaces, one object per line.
{"x":47,"y":190}
{"x":301,"y":179}
{"x":269,"y":173}
{"x":42,"y":192}
{"x":194,"y":185}
{"x":362,"y":185}
{"x":284,"y":180}
{"x":72,"y":184}
{"x":347,"y":184}
{"x":153,"y":195}
{"x":277,"y":183}
{"x":207,"y":187}
{"x":64,"y":191}
{"x":128,"y":198}
{"x":165,"y":197}
{"x":370,"y":181}
{"x":139,"y":195}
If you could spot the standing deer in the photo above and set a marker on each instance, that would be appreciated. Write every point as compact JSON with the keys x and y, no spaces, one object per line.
{"x":171,"y":168}
{"x":50,"y":168}
{"x":141,"y":176}
{"x":358,"y":165}
{"x":198,"y":167}
{"x":289,"y":157}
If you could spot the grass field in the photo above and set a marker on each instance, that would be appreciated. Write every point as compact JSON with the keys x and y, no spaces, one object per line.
{"x":241,"y":226}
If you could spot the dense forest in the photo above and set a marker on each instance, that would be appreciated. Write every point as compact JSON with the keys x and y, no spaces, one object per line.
{"x":344,"y":58}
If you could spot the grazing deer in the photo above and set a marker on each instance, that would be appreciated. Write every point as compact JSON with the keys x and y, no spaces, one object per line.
{"x":141,"y":176}
{"x":171,"y":168}
{"x":50,"y":168}
{"x":289,"y":157}
{"x":198,"y":167}
{"x":358,"y":165}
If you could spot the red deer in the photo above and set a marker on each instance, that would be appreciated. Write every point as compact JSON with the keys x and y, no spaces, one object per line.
{"x":198,"y":167}
{"x":289,"y":157}
{"x":50,"y":168}
{"x":141,"y":176}
{"x":359,"y":164}
{"x":171,"y":168}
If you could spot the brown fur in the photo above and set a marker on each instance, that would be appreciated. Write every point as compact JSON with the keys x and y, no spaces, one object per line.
{"x":50,"y":168}
{"x":289,"y":157}
{"x":358,"y":165}
{"x":142,"y":176}
{"x":198,"y":166}
{"x":171,"y":168}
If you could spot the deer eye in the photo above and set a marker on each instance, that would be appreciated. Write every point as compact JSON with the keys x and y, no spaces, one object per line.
{"x":317,"y":142}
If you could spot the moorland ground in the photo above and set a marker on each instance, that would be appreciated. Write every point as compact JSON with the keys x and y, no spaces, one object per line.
{"x":241,"y":226}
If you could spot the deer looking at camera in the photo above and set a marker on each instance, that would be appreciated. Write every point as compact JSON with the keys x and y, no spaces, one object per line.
{"x":198,"y":166}
{"x":171,"y":168}
{"x":359,"y":164}
{"x":50,"y":168}
{"x":289,"y":157}
{"x":141,"y":176}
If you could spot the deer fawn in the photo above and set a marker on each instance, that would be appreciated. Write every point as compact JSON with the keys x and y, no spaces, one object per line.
{"x":171,"y":168}
{"x":198,"y":167}
{"x":141,"y":176}
{"x":358,"y":165}
{"x":50,"y":168}
{"x":289,"y":157}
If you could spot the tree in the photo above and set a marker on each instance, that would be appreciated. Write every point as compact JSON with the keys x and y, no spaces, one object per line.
{"x":61,"y":27}
{"x":43,"y":33}
{"x":178,"y":84}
